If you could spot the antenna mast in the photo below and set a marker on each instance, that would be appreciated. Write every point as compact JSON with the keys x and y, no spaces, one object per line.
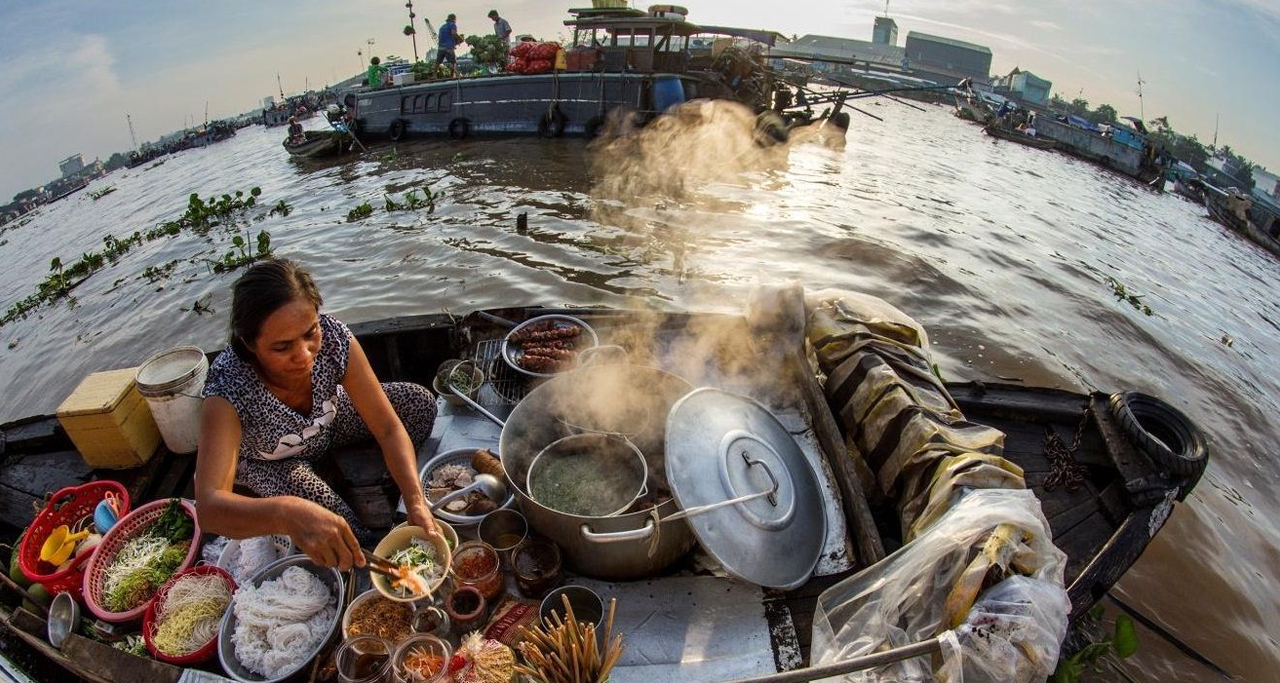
{"x":281,"y":87}
{"x":132,"y":137}
{"x":1141,"y":110}
{"x":1215,"y":131}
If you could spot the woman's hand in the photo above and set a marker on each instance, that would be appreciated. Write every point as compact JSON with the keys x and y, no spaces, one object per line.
{"x":420,"y":515}
{"x":324,"y":536}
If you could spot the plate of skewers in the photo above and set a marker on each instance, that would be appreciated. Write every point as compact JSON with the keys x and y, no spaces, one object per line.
{"x":547,"y":345}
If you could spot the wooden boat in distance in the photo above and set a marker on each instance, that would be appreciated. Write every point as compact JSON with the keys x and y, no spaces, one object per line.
{"x":1103,"y":525}
{"x":1020,"y":138}
{"x":620,"y":61}
{"x":317,"y":143}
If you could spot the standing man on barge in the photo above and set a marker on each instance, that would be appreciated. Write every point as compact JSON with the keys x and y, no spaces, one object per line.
{"x":502,"y":29}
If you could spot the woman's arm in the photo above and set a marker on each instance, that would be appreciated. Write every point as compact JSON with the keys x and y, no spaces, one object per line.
{"x":375,"y":409}
{"x":321,"y":534}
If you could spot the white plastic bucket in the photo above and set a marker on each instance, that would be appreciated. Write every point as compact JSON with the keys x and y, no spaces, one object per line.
{"x":172,"y":382}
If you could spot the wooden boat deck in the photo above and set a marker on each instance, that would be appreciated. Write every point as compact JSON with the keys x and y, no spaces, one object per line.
{"x":1102,"y":526}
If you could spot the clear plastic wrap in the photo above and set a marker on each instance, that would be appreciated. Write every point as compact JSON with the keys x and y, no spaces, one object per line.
{"x":1011,"y":633}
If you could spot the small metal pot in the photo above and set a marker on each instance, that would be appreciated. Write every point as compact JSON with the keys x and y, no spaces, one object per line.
{"x":628,"y":473}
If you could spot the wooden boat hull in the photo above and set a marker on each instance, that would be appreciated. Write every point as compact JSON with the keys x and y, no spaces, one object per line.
{"x":1020,"y":138}
{"x":1103,"y":526}
{"x":516,"y":104}
{"x":318,"y":144}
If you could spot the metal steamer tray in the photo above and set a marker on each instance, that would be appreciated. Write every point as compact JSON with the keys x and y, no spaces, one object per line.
{"x":511,"y":352}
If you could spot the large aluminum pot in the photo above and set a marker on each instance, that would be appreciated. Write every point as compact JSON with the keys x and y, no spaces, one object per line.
{"x":621,"y":398}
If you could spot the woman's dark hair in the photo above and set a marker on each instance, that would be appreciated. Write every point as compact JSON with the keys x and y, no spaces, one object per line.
{"x":261,"y":291}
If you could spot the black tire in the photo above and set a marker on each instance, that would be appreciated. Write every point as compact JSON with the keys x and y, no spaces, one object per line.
{"x":459,"y":129}
{"x":1161,"y":431}
{"x":771,"y":129}
{"x":397,"y":130}
{"x":551,"y":125}
{"x":841,"y":120}
{"x":593,"y":127}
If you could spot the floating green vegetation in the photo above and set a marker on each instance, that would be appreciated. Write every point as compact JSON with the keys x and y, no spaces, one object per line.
{"x":155,"y":274}
{"x":360,"y":212}
{"x":102,"y":192}
{"x":1123,"y":294}
{"x":229,"y":210}
{"x":1099,"y":647}
{"x":241,"y":255}
{"x":282,"y":208}
{"x":412,"y":202}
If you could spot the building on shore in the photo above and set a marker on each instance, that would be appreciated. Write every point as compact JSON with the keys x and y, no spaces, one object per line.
{"x":885,"y":31}
{"x":1024,"y":86}
{"x":71,"y":165}
{"x":946,"y":60}
{"x":828,"y":53}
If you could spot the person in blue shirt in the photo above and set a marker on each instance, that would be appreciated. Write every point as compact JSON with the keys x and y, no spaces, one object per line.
{"x":448,"y":42}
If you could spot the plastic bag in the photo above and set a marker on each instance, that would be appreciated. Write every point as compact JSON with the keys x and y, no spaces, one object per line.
{"x":903,"y":599}
{"x":1013,"y":634}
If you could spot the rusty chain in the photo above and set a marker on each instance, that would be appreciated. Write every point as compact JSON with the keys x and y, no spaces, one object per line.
{"x":1064,"y":470}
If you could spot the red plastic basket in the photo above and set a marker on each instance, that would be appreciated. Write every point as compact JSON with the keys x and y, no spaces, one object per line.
{"x":129,"y":527}
{"x":68,"y":506}
{"x":205,"y":651}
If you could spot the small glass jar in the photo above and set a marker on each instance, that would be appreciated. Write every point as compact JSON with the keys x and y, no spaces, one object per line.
{"x":421,"y":645}
{"x":364,"y":659}
{"x":475,"y":563}
{"x":466,"y":609}
{"x":537,"y":566}
{"x":432,"y":620}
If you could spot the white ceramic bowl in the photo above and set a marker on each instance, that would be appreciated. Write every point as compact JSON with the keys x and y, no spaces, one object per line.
{"x":398,"y":538}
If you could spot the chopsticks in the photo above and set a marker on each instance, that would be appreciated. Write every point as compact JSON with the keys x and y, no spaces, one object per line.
{"x":567,"y":651}
{"x":380,"y":565}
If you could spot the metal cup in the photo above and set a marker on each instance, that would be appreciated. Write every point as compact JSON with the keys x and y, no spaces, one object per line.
{"x":504,"y":529}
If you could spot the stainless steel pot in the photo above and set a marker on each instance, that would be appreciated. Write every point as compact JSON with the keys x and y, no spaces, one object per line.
{"x":621,"y":398}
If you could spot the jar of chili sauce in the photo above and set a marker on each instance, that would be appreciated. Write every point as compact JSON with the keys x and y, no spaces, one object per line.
{"x":475,"y":563}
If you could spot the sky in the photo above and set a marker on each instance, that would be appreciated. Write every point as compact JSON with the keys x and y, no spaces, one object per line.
{"x":71,"y":70}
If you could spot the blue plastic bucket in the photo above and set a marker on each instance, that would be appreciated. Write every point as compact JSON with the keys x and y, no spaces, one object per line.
{"x":668,"y":91}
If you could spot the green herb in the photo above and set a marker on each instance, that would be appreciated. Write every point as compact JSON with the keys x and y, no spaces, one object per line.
{"x":174,"y":525}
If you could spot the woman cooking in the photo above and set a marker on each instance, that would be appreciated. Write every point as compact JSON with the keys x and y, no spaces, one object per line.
{"x":293,"y":384}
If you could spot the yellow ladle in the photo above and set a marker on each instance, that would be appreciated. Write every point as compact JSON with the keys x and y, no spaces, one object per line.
{"x":60,"y":544}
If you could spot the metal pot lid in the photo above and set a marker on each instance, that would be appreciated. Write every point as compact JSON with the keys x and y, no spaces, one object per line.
{"x":722,"y":446}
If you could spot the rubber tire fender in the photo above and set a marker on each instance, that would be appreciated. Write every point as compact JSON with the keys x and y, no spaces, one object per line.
{"x":459,"y":128}
{"x":771,"y":129}
{"x":551,"y":125}
{"x":594,"y":127}
{"x":1162,"y":432}
{"x":397,"y":130}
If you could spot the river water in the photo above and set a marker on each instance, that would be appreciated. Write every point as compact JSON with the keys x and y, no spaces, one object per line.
{"x":1002,"y":252}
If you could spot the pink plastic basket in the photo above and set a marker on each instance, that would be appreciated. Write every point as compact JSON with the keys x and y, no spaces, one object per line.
{"x":207,"y":650}
{"x":67,"y":506}
{"x":131,"y":526}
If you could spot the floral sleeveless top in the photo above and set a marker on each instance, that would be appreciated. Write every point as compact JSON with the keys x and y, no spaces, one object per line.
{"x":271,"y":430}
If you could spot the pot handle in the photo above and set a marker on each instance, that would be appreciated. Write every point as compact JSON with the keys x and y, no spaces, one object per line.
{"x":640,"y":534}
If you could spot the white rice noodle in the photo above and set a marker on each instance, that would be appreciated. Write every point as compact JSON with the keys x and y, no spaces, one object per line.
{"x":280,"y":623}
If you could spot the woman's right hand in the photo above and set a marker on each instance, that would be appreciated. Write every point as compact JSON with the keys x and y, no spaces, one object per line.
{"x":324,"y":536}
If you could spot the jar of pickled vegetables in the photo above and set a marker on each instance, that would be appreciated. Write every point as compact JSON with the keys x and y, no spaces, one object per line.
{"x":475,"y":563}
{"x":421,"y":659}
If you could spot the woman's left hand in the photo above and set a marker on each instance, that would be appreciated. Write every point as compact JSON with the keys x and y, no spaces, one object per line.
{"x":420,"y":515}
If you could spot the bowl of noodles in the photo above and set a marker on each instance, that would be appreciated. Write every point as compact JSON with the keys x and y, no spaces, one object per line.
{"x":181,"y":625}
{"x":279,"y":620}
{"x":423,"y":560}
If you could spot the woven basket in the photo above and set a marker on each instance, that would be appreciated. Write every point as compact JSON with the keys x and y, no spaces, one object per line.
{"x":205,"y":651}
{"x":68,"y":506}
{"x":131,"y":526}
